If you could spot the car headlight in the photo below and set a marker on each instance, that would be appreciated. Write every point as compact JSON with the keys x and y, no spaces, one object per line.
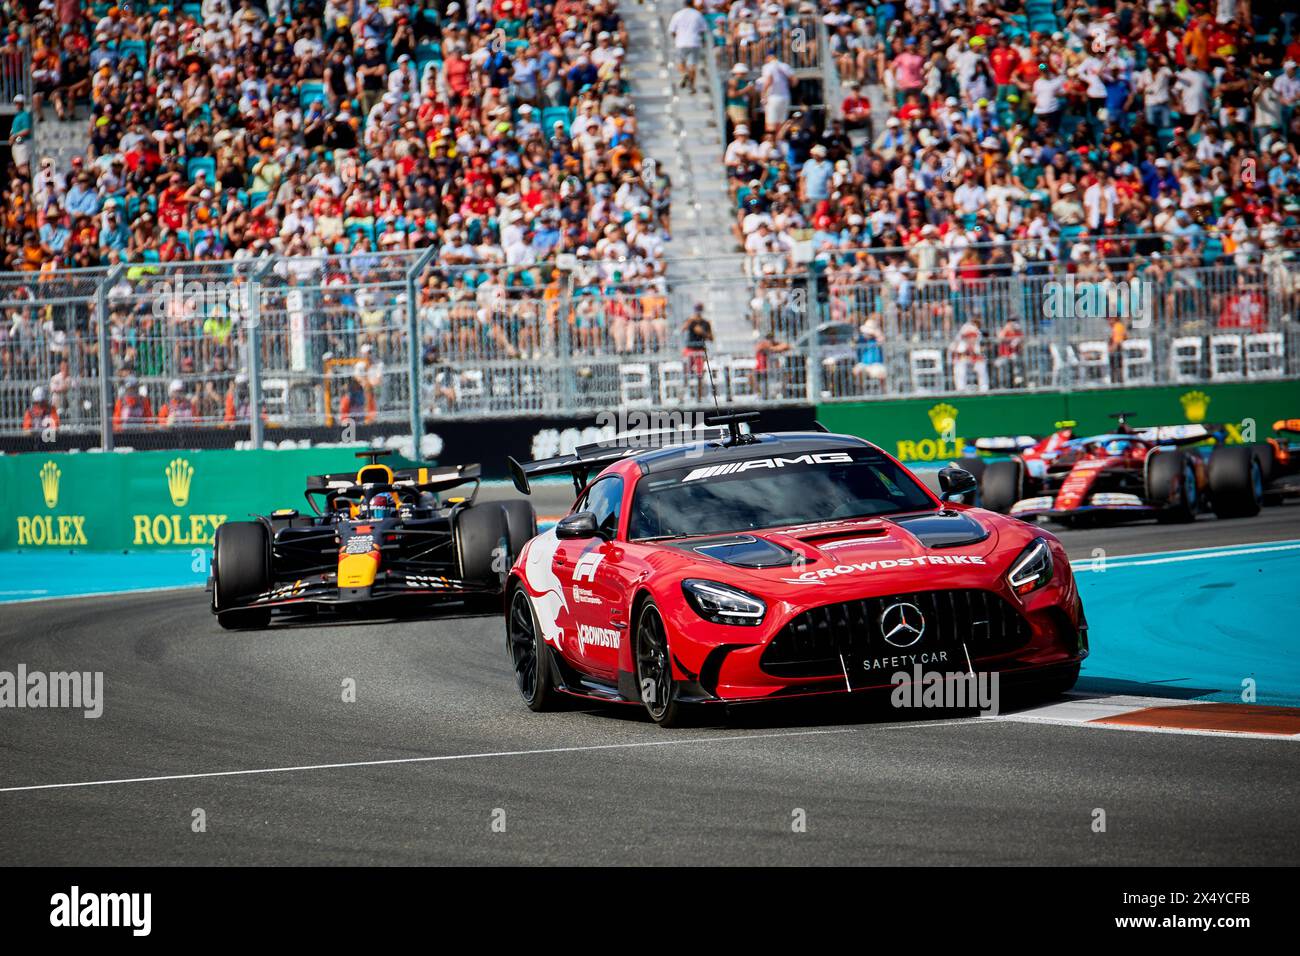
{"x":723,"y":604}
{"x":1032,"y":569}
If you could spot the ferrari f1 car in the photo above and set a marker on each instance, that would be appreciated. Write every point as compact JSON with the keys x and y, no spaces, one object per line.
{"x":765,"y":566}
{"x":372,"y":535}
{"x":1124,"y":474}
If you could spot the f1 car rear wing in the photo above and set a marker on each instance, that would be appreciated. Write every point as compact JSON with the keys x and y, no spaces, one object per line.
{"x":1006,"y":443}
{"x":1156,"y":434}
{"x":376,"y":477}
{"x":1179,"y":434}
{"x":1167,"y":434}
{"x":1012,"y":443}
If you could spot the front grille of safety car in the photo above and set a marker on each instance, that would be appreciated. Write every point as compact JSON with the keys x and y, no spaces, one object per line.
{"x":817,"y":642}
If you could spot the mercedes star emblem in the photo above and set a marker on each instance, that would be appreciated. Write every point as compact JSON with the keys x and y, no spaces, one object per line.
{"x":902,"y":624}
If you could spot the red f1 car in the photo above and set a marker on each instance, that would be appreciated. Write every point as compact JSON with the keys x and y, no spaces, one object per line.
{"x":1125,"y":474}
{"x":765,"y":566}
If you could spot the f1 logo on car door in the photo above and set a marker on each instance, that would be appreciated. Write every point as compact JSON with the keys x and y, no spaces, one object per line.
{"x":595,"y":593}
{"x":585,"y":568}
{"x":596,"y":597}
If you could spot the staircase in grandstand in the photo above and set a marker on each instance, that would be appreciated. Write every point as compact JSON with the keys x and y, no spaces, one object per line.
{"x":681,"y":131}
{"x":62,"y":139}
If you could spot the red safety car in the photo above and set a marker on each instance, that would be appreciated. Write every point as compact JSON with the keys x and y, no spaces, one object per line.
{"x":764,"y":566}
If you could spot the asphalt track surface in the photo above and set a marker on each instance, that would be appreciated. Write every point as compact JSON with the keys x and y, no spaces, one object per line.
{"x":252,"y":729}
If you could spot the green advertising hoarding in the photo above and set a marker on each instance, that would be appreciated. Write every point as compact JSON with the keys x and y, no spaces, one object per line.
{"x":153,"y":499}
{"x":937,"y":429}
{"x":175,"y":499}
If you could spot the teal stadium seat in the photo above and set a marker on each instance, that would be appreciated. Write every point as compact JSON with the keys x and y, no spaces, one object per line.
{"x":311,"y":91}
{"x":137,"y":48}
{"x":202,"y":164}
{"x":553,"y":114}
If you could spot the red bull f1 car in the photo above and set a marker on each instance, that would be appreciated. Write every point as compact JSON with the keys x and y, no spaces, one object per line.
{"x":758,"y":567}
{"x":373,"y":535}
{"x":1124,"y":474}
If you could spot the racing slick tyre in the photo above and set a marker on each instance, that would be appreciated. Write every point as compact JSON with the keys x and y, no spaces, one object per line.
{"x":1002,"y":485}
{"x":521,"y":525}
{"x":480,"y":531}
{"x":1267,"y":456}
{"x":241,"y":569}
{"x":529,"y":655}
{"x":976,"y":467}
{"x":1236,"y":482}
{"x":654,"y":672}
{"x":1171,"y":481}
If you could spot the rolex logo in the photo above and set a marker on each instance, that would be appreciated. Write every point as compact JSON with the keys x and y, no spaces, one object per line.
{"x":944,"y":419}
{"x":1195,"y":405}
{"x":50,"y":483}
{"x":179,"y":474}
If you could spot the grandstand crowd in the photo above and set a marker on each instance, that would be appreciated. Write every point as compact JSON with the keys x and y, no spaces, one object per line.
{"x":499,"y":131}
{"x":1057,"y":130}
{"x":1121,"y":140}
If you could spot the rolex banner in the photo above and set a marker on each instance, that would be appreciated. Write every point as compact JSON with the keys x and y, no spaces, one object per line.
{"x":133,"y":499}
{"x":127,"y":501}
{"x":939,"y":429}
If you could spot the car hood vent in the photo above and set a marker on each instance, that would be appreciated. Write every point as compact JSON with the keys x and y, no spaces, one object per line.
{"x":743,"y":551}
{"x":943,"y":529}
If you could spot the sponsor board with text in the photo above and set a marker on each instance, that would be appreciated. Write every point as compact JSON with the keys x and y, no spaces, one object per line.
{"x":940,"y":429}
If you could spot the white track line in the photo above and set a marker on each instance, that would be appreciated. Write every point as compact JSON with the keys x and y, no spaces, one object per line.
{"x":1192,"y":554}
{"x":482,"y":756}
{"x":1121,"y":563}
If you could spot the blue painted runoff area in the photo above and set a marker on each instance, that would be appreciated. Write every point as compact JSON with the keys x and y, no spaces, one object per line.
{"x":44,"y":574}
{"x":1196,"y":624}
{"x":1187,"y":624}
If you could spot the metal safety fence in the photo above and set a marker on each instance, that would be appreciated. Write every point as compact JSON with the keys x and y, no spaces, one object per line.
{"x":795,"y":39}
{"x":134,"y":355}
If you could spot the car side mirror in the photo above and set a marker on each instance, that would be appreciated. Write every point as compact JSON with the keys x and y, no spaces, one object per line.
{"x":954,"y":481}
{"x":581,"y":524}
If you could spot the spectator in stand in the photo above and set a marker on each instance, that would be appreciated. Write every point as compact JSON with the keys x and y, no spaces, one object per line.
{"x":178,"y":411}
{"x":688,"y":28}
{"x":699,"y":336}
{"x":132,"y":408}
{"x":775,"y":86}
{"x":856,"y":109}
{"x":769,"y":378}
{"x":740,"y":96}
{"x":869,"y":367}
{"x":1009,"y":371}
{"x":41,"y":414}
{"x":967,"y":356}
